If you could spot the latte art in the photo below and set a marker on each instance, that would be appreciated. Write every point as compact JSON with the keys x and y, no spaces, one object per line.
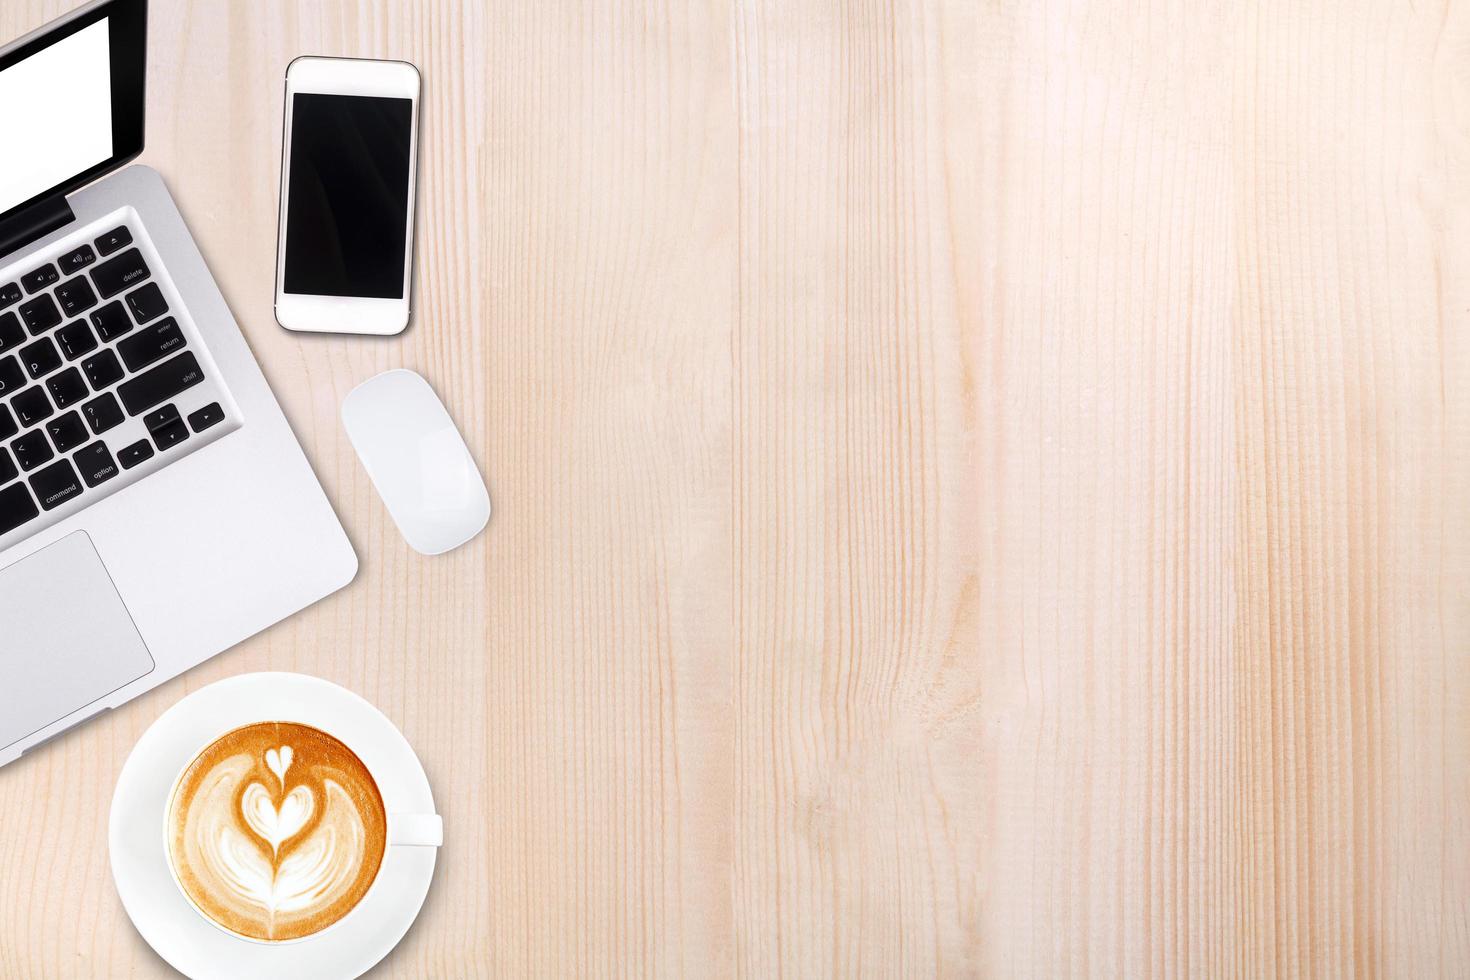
{"x":276,"y":830}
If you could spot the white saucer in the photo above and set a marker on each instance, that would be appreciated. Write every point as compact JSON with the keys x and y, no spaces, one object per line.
{"x":135,"y":836}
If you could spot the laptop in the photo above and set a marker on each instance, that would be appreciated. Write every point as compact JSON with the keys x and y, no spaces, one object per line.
{"x":155,"y":508}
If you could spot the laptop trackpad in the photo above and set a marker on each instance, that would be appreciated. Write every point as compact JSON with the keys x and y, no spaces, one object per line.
{"x":66,"y":638}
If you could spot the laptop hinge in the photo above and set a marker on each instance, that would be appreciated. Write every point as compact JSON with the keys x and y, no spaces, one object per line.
{"x":34,"y":223}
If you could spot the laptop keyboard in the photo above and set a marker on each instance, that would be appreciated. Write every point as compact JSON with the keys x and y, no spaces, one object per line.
{"x":103,"y":379}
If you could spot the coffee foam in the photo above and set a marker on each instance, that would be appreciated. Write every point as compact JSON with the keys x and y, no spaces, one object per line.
{"x":276,"y":830}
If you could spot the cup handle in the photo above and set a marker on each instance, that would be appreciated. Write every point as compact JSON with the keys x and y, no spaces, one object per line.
{"x":416,"y":829}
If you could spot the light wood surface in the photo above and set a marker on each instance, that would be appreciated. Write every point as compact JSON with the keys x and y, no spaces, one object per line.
{"x":981,"y":489}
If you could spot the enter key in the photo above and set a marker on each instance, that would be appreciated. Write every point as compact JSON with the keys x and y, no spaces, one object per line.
{"x":151,"y":343}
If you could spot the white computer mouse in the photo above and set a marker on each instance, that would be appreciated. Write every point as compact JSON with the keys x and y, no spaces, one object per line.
{"x":418,"y":461}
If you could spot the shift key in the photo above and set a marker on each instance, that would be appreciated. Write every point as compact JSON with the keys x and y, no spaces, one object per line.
{"x":159,"y":384}
{"x":151,"y":343}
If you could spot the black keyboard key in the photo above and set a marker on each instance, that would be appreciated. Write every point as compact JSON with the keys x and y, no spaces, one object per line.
{"x":151,"y":344}
{"x":11,"y":334}
{"x":16,"y":507}
{"x":76,"y":296}
{"x":112,"y":321}
{"x":159,"y":384}
{"x":77,"y":259}
{"x":165,"y":426}
{"x":147,"y":303}
{"x":210,"y":414}
{"x":9,"y":293}
{"x":8,"y":425}
{"x":67,"y":388}
{"x":31,"y":406}
{"x":31,"y":450}
{"x":102,"y":369}
{"x":114,"y":240}
{"x":12,"y":378}
{"x":117,"y":274}
{"x":96,"y":464}
{"x":56,"y":484}
{"x":41,"y":358}
{"x":76,"y":339}
{"x":167,"y":415}
{"x":131,"y":456}
{"x":41,"y":278}
{"x":170,"y":435}
{"x":40,"y":314}
{"x":102,"y":413}
{"x":67,"y":431}
{"x":8,"y":470}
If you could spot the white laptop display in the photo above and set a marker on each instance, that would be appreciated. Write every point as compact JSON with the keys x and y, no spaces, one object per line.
{"x":155,"y":508}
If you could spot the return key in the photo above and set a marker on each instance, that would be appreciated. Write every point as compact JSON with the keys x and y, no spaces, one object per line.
{"x":151,"y":343}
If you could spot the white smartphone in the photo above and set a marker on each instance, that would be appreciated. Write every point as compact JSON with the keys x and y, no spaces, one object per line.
{"x":349,"y":168}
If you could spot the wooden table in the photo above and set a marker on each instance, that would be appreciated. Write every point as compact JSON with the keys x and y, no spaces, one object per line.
{"x":981,"y":488}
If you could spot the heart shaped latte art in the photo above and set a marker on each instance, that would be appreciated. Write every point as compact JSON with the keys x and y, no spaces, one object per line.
{"x":278,"y":830}
{"x":276,"y":824}
{"x":279,"y":760}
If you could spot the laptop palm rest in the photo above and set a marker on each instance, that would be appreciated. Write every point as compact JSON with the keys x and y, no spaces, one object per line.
{"x":66,"y":639}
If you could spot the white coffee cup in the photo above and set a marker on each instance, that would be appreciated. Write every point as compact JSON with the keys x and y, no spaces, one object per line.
{"x":403,"y":830}
{"x":196,"y":944}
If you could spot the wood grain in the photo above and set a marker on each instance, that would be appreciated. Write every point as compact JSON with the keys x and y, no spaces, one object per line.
{"x":1224,"y":454}
{"x":981,"y":489}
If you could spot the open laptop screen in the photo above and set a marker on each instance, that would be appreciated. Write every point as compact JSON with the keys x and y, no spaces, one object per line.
{"x":71,"y":102}
{"x":59,"y":104}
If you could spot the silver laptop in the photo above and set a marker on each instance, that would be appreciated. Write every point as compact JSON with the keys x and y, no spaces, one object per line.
{"x":155,"y":508}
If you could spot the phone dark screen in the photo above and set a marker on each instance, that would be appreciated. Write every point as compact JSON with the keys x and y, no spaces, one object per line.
{"x":347,"y":214}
